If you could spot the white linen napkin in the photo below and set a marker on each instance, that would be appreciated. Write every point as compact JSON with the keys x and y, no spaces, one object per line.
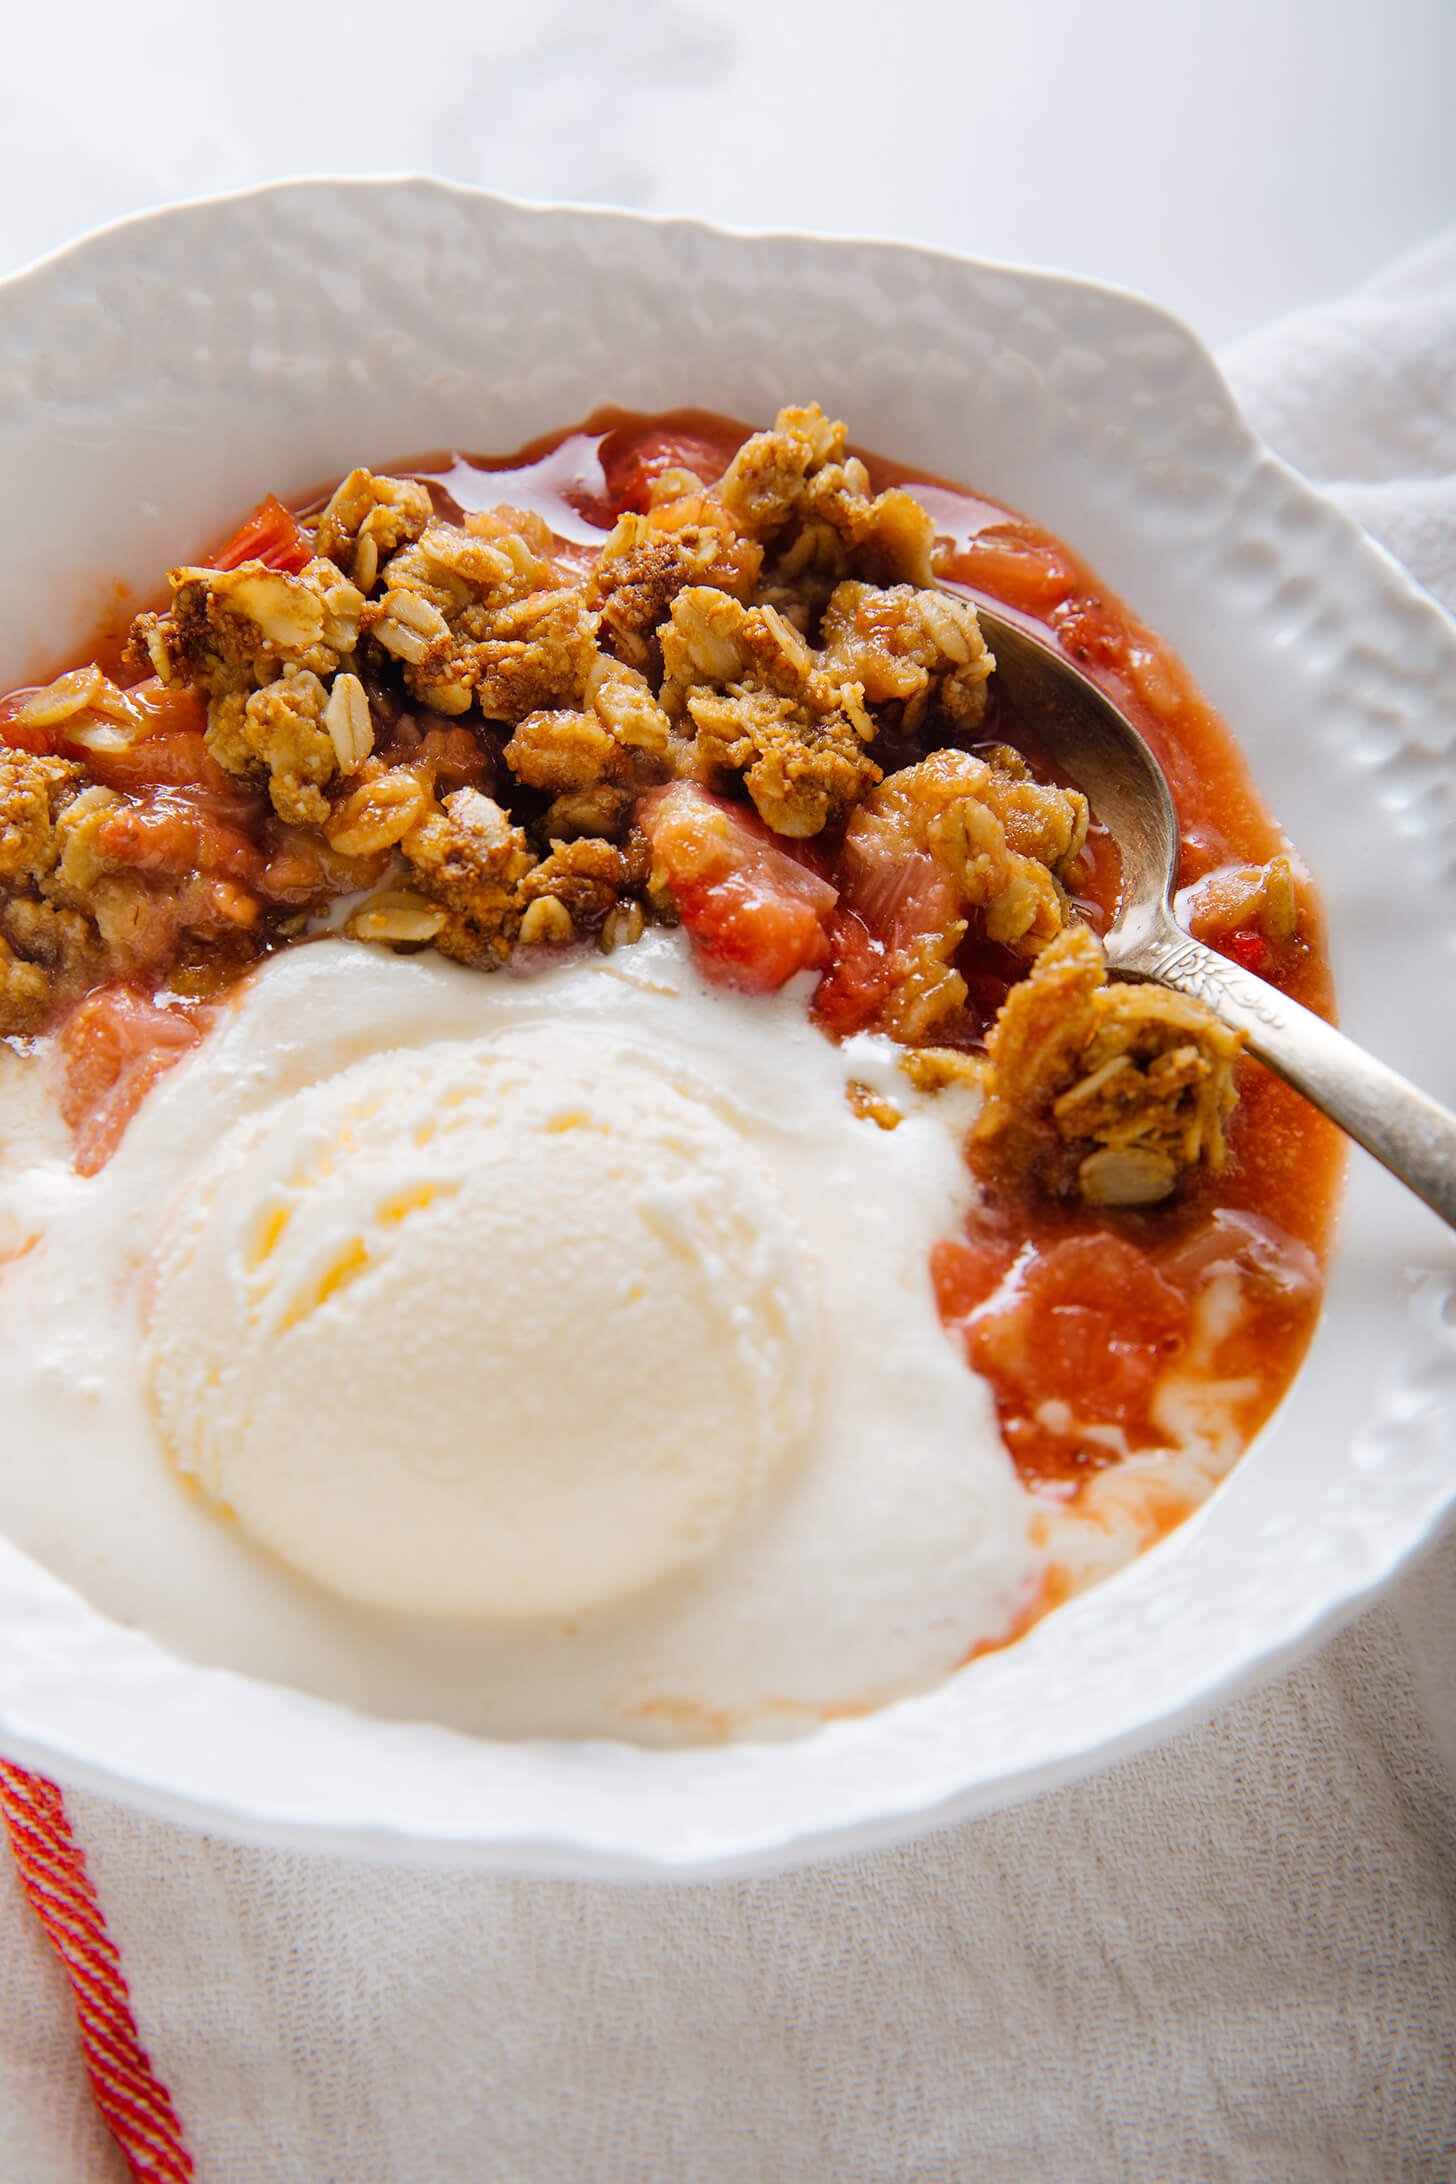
{"x":1231,"y":1959}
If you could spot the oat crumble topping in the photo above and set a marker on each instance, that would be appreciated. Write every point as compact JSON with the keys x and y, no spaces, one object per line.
{"x":461,"y":727}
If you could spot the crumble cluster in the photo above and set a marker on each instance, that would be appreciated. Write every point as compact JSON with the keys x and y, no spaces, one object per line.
{"x":1105,"y":1091}
{"x":684,"y":653}
{"x":457,"y":724}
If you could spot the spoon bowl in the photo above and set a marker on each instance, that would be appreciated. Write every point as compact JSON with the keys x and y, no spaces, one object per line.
{"x":1096,"y":746}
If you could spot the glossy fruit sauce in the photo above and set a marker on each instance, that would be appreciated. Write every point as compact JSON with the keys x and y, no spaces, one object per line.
{"x":1074,"y":1317}
{"x":1063,"y":1310}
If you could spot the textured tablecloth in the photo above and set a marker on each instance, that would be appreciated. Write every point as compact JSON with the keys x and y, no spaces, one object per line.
{"x":1232,"y":1959}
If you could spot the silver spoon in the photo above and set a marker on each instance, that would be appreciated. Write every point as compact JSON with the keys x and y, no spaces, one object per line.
{"x":1097,"y":747}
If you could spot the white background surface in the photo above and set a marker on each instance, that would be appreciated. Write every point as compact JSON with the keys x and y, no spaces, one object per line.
{"x":1020,"y":1993}
{"x":1232,"y":160}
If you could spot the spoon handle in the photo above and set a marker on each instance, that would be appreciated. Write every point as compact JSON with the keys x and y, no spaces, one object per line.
{"x":1409,"y":1133}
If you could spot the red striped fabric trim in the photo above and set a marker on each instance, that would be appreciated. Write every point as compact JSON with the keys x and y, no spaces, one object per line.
{"x":134,"y":2104}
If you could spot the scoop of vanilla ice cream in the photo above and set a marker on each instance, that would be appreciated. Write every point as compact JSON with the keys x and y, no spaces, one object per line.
{"x":497,"y":1329}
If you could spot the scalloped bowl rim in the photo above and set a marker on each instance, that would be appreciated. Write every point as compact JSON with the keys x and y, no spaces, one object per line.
{"x":110,"y":1711}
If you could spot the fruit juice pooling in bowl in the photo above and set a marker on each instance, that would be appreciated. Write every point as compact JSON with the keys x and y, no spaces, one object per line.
{"x":796,"y":1268}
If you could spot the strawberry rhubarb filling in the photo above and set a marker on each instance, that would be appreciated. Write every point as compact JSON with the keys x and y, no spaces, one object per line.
{"x":668,"y":682}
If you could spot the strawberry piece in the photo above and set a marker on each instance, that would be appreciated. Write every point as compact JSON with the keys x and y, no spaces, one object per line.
{"x":270,"y":535}
{"x":114,"y":1046}
{"x":968,"y":1270}
{"x":179,"y":760}
{"x":19,"y":735}
{"x":1091,"y":1324}
{"x":172,"y":834}
{"x":899,"y":892}
{"x":1092,"y":632}
{"x":750,"y":936}
{"x":756,"y":914}
{"x":1248,"y":946}
{"x":1018,"y":566}
{"x":849,"y":994}
{"x":631,"y":462}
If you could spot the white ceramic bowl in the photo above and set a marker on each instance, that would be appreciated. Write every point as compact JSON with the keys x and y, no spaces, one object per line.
{"x":156,"y":378}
